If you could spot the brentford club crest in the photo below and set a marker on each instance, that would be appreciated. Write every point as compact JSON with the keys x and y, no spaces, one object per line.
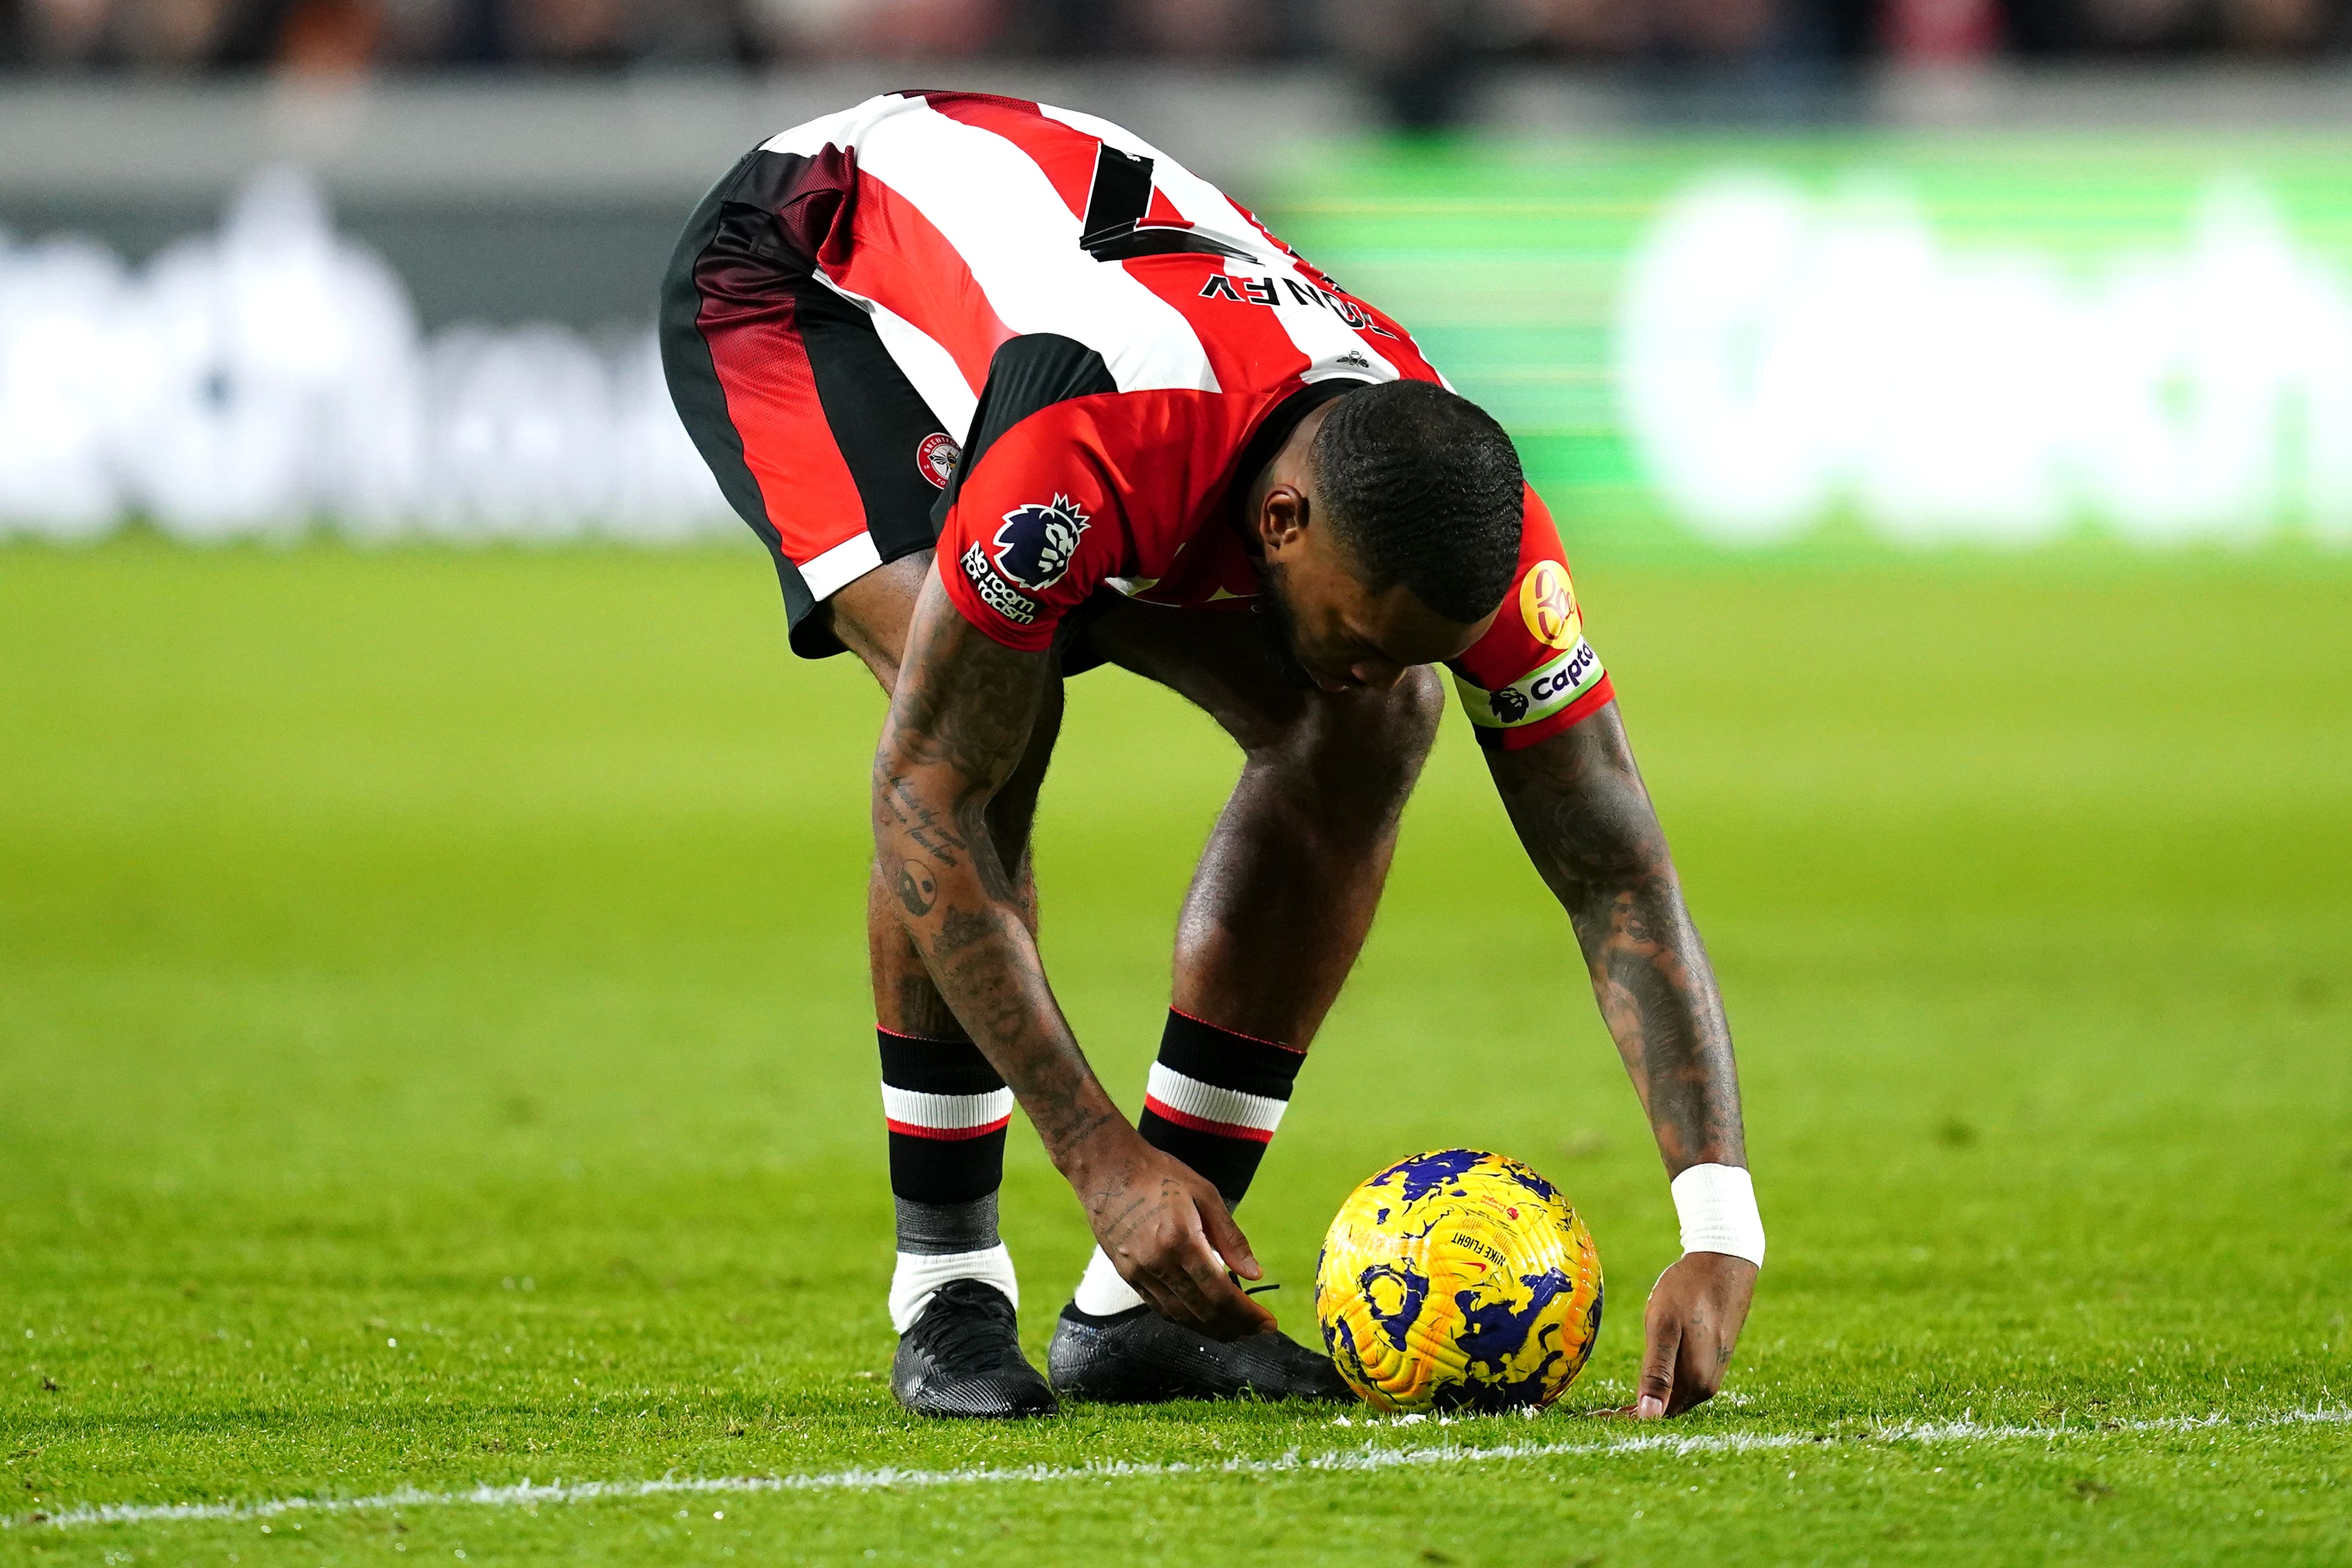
{"x":936,"y":456}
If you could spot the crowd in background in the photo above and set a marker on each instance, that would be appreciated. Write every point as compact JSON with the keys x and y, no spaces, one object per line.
{"x":359,"y":36}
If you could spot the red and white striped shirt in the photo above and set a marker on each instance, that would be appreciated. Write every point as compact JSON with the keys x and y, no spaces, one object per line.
{"x":1124,"y":346}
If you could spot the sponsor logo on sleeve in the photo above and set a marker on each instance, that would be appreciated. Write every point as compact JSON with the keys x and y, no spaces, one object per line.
{"x":1035,"y":545}
{"x":1536,"y":695}
{"x":1547,"y":604}
{"x":936,"y":456}
{"x":994,"y":592}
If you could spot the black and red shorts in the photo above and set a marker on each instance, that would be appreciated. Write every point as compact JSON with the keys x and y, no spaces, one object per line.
{"x":816,"y":436}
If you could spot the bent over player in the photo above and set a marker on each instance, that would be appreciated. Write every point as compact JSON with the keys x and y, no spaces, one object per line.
{"x":1009,"y":393}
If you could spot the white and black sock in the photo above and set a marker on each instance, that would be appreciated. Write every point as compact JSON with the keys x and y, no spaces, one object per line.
{"x":947,"y":1110}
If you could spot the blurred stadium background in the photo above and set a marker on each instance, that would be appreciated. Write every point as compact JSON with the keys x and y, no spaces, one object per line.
{"x":433,"y":1016}
{"x":1738,"y":273}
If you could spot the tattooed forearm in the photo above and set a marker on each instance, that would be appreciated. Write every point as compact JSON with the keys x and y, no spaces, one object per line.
{"x":917,"y":889}
{"x":921,"y":824}
{"x":959,"y":728}
{"x":1581,"y":810}
{"x":960,"y":930}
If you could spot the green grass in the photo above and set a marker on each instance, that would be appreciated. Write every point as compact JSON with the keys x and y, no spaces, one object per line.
{"x":463,"y":950}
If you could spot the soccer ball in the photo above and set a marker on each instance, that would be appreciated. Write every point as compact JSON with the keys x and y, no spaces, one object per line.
{"x":1459,"y":1280}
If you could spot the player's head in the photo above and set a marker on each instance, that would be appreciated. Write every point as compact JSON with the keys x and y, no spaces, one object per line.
{"x":1390,"y":529}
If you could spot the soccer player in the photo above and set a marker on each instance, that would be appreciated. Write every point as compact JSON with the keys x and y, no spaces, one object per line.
{"x":1010,"y":394}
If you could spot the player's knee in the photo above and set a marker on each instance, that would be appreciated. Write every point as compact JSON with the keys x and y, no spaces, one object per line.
{"x":1395,"y":728}
{"x":870,"y":614}
{"x":1422,"y":698}
{"x":1371,"y":745}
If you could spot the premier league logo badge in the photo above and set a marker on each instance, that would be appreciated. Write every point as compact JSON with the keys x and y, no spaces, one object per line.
{"x":1034,"y":546}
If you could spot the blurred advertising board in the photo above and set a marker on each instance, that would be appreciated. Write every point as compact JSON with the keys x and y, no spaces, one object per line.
{"x":1968,"y":338}
{"x":272,"y":376}
{"x":1704,"y":343}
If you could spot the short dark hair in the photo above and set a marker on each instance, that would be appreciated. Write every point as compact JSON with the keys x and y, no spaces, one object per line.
{"x":1423,"y":488}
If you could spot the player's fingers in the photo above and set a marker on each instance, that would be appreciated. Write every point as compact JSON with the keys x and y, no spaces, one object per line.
{"x":1233,"y":1315}
{"x":1226,"y":1239}
{"x":1687,"y":1401}
{"x":1242,"y":1313}
{"x":1699,"y":1367}
{"x":1168,"y":1303}
{"x":1160,"y":1280}
{"x":1657,"y":1385}
{"x":1693,"y":1387}
{"x":1174,"y":1268}
{"x":1237,"y":1316}
{"x":1151,"y":1283}
{"x":1192,"y":1303}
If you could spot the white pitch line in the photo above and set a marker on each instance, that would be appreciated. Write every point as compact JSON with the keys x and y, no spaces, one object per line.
{"x":527,"y":1493}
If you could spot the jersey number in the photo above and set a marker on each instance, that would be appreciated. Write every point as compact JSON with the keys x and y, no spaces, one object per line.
{"x":1114,"y":229}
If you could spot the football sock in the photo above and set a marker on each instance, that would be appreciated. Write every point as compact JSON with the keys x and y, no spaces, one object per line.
{"x":947,"y":1110}
{"x":1213,"y":1101}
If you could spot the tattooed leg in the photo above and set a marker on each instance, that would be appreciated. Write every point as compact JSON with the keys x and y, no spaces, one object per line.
{"x":1287,"y":888}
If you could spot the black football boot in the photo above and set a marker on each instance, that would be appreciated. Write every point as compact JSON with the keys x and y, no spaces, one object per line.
{"x":962,"y":1357}
{"x":1137,"y":1357}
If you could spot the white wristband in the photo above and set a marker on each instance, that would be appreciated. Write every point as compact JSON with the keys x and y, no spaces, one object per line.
{"x":1716,"y":1205}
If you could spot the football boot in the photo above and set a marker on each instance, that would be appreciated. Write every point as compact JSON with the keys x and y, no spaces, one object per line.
{"x":962,"y":1357}
{"x":1137,"y":1357}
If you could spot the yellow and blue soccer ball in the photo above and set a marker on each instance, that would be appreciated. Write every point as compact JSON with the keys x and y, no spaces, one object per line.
{"x":1459,"y":1280}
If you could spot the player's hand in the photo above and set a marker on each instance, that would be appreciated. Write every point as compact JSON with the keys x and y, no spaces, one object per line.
{"x":1696,"y":1312}
{"x":1168,"y":1235}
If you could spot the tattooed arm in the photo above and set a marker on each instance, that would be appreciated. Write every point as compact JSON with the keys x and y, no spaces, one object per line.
{"x":959,"y":724}
{"x":1582,"y":812}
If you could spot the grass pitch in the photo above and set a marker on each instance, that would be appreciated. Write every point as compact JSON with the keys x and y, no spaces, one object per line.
{"x":433,"y":1052}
